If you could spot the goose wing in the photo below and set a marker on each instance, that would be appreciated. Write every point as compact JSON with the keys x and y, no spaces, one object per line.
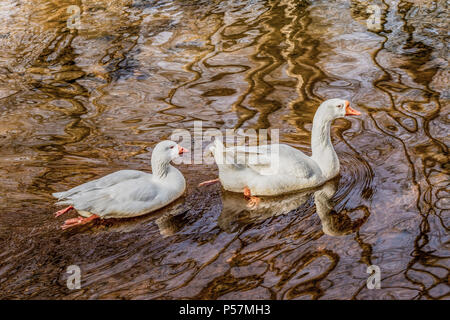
{"x":102,"y":183}
{"x":271,"y":159}
{"x":126,"y":198}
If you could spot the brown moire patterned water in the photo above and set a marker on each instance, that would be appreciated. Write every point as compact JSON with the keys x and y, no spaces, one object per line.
{"x":77,"y":104}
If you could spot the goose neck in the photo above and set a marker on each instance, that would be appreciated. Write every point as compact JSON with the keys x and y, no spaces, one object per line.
{"x":160,"y":168}
{"x":320,"y":137}
{"x":322,"y":148}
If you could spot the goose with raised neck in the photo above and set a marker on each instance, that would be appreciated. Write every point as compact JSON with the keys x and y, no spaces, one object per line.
{"x":294,"y":170}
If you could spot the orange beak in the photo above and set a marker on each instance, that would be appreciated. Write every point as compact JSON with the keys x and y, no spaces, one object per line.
{"x":182,"y":150}
{"x":349,"y":111}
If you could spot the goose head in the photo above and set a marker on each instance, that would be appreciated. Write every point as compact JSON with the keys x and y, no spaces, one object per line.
{"x":166,"y":151}
{"x":335,"y":108}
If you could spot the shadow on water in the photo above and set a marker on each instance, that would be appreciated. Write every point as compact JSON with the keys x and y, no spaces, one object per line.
{"x":79,"y":104}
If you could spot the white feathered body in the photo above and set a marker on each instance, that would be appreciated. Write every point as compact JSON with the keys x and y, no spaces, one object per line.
{"x":280,"y":168}
{"x":125,"y":193}
{"x":289,"y":171}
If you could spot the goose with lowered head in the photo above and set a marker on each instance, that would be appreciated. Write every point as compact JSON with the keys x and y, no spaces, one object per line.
{"x":127,"y":193}
{"x":294,"y":170}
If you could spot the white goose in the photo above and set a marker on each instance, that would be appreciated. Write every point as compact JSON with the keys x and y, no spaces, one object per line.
{"x":294,"y":170}
{"x":127,"y":193}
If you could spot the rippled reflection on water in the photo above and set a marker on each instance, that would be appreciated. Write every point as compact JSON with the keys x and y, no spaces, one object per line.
{"x":81,"y":104}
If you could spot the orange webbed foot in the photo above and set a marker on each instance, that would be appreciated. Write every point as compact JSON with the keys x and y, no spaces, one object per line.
{"x":65,"y":210}
{"x":252,"y":201}
{"x":70,"y":223}
{"x":208,"y":182}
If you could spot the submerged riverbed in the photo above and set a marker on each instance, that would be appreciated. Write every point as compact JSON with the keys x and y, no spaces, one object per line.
{"x":79,"y":103}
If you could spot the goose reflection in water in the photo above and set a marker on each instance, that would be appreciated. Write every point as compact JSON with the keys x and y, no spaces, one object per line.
{"x":171,"y":222}
{"x":237,"y":214}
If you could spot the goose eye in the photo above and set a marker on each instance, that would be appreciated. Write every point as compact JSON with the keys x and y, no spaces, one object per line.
{"x":340,"y":106}
{"x":172,"y":147}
